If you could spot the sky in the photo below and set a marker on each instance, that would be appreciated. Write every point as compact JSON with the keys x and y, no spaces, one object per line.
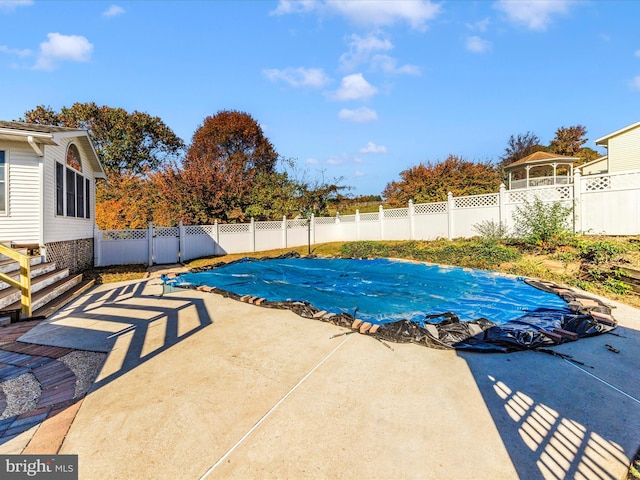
{"x":356,"y":90}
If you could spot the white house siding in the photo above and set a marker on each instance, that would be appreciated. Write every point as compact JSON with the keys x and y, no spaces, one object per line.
{"x":21,"y":224}
{"x":63,"y":228}
{"x":624,"y":151}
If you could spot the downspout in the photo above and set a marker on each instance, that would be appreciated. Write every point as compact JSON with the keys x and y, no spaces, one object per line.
{"x":41,"y":207}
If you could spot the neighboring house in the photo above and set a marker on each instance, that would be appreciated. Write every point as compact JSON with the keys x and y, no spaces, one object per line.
{"x":47,"y":191}
{"x":623,"y":152}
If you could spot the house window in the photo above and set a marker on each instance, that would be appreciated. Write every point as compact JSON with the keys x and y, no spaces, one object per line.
{"x":71,"y":193}
{"x":3,"y":183}
{"x":87,"y":198}
{"x":72,"y":188}
{"x":59,"y":189}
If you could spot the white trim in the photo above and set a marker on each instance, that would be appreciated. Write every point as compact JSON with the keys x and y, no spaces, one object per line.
{"x":603,"y":141}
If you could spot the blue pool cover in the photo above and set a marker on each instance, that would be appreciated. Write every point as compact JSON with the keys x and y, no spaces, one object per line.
{"x":382,"y":290}
{"x":440,"y":307}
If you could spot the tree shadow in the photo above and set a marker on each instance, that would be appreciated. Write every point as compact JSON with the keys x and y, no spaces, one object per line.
{"x":131,"y":323}
{"x":559,"y":419}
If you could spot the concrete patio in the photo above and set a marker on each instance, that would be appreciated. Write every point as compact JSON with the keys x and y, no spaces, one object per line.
{"x":199,"y":386}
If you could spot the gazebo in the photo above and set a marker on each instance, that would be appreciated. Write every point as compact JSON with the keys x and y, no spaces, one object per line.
{"x":541,"y":169}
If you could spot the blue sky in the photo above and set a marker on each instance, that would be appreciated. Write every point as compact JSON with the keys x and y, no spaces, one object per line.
{"x":355,"y":89}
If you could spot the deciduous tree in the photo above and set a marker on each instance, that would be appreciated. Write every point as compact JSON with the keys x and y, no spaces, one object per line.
{"x":431,"y":182}
{"x":520,"y":146}
{"x":125,"y":142}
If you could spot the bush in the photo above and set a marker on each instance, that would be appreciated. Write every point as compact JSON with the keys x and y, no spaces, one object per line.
{"x":541,"y":224}
{"x":599,"y":252}
{"x":491,"y":231}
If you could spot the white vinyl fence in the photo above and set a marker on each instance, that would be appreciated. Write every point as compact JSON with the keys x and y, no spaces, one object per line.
{"x":602,"y":204}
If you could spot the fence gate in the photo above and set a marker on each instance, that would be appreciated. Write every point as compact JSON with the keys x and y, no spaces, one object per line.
{"x":166,"y":245}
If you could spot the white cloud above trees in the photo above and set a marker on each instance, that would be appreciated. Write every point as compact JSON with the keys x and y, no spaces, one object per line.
{"x":359,"y":115}
{"x":299,"y":77}
{"x":58,"y":48}
{"x":354,"y":87}
{"x":373,"y":148}
{"x":476,"y":44}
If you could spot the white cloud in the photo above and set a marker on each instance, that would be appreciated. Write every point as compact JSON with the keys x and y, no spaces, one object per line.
{"x":354,"y":87}
{"x":362,"y":48}
{"x":113,"y":11}
{"x":533,"y":14}
{"x":359,"y":115}
{"x":373,"y":148}
{"x":299,"y":77}
{"x":334,"y":160}
{"x":359,"y":173}
{"x":74,"y":48}
{"x":8,"y":6}
{"x":635,"y":83}
{"x":311,"y":161}
{"x":14,"y":51}
{"x":367,"y":12}
{"x":387,"y":64}
{"x":637,"y":54}
{"x":480,"y":26}
{"x":476,"y":44}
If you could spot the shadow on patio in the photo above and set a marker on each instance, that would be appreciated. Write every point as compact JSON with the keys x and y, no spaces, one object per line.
{"x":132,"y":323}
{"x":559,"y":419}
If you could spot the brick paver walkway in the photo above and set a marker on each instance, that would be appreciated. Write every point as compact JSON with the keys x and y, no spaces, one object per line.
{"x":57,"y":384}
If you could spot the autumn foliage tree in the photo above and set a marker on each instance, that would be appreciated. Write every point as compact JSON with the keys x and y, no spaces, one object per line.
{"x":214,"y":182}
{"x":569,"y":141}
{"x":431,"y":182}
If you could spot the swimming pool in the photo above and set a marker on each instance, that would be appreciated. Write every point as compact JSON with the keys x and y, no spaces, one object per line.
{"x":382,"y":290}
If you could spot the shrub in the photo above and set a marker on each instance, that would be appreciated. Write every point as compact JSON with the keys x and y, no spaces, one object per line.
{"x":545,"y":225}
{"x":491,"y":231}
{"x":599,"y":252}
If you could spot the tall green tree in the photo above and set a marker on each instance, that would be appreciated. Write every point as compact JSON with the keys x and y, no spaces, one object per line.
{"x":431,"y":182}
{"x":127,"y":143}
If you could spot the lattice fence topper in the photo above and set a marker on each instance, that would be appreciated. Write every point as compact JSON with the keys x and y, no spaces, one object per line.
{"x":297,"y":223}
{"x":124,"y":235}
{"x":166,"y":231}
{"x":273,"y":225}
{"x":475,"y":201}
{"x":199,"y":230}
{"x":427,"y":208}
{"x":347,"y":218}
{"x":325,"y":220}
{"x":625,"y":180}
{"x":596,"y":184}
{"x":369,"y":217}
{"x":544,"y":194}
{"x":233,"y":228}
{"x":396,"y":213}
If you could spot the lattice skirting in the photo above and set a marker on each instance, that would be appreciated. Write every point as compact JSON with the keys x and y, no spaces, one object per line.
{"x":76,"y":255}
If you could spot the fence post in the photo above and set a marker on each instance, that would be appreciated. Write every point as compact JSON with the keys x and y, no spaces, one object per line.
{"x":283,"y":227}
{"x":503,"y":205}
{"x":150,"y":236}
{"x":313,"y":229}
{"x":216,"y":236}
{"x":577,"y":201}
{"x":252,"y":235}
{"x":97,"y":246}
{"x":381,"y":219}
{"x":357,"y":224}
{"x":181,"y":241}
{"x":450,"y":205}
{"x":412,"y":226}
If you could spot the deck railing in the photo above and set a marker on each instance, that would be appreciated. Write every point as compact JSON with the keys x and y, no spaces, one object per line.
{"x":24,"y":284}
